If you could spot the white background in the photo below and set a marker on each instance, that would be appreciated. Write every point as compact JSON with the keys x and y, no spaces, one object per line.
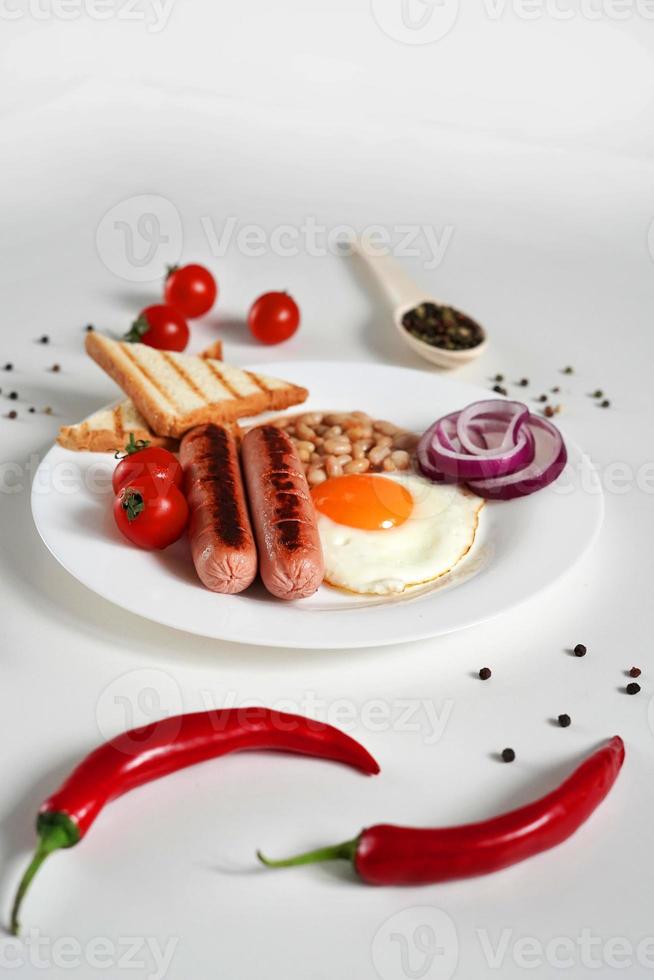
{"x":528,"y":136}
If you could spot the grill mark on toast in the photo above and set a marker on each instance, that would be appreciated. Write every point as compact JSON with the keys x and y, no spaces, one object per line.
{"x":186,"y":378}
{"x":118,"y":422}
{"x":224,"y":382}
{"x":259,"y":382}
{"x":167,"y":397}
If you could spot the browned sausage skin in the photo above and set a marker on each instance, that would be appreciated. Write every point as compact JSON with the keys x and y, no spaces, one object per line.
{"x":222,"y":543}
{"x":290,"y":556}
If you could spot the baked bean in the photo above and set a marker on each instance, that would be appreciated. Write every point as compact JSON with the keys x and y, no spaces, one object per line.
{"x":386,"y":428}
{"x":405,"y":440}
{"x":378,"y":454}
{"x":333,"y":443}
{"x":305,"y":432}
{"x":316,"y":475}
{"x":357,"y":466}
{"x":337,"y":445}
{"x":359,"y":431}
{"x":333,"y":467}
{"x":401,"y":459}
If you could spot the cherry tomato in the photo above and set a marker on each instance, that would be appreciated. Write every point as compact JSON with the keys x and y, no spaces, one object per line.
{"x":148,"y":517}
{"x":274,"y":317}
{"x":160,"y":326}
{"x":142,"y":461}
{"x":191,"y":289}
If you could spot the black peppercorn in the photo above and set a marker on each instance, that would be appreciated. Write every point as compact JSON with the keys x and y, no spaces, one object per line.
{"x":44,"y":339}
{"x":498,"y":377}
{"x":56,"y":368}
{"x":568,"y":370}
{"x":523,"y":382}
{"x":633,"y":688}
{"x":542,"y":398}
{"x":508,"y":755}
{"x":580,"y":650}
{"x":89,"y":327}
{"x":9,"y":366}
{"x":485,"y":673}
{"x":13,"y":395}
{"x":31,"y":409}
{"x":598,"y":393}
{"x":564,"y":721}
{"x":498,"y":389}
{"x":605,"y":404}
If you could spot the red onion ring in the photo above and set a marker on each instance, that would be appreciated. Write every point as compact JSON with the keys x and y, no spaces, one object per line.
{"x":548,"y":463}
{"x":498,"y":448}
{"x":485,"y":413}
{"x":449,"y":456}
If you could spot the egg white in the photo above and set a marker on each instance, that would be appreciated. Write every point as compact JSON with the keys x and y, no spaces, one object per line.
{"x":439,"y":532}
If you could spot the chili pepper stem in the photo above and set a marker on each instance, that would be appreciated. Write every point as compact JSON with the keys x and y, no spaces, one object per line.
{"x":345,"y":852}
{"x":55,"y":831}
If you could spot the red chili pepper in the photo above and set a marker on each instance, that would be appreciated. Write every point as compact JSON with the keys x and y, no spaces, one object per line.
{"x":150,"y":751}
{"x":389,"y":855}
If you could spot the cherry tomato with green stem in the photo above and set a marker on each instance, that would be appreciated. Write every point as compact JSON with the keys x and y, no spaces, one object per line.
{"x":149,"y":517}
{"x":141,"y":460}
{"x":160,"y":326}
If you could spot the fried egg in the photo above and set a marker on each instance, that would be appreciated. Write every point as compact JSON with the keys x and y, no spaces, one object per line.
{"x":382,"y":533}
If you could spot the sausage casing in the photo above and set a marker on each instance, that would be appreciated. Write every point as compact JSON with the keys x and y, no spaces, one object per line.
{"x":222,"y":542}
{"x":290,"y":555}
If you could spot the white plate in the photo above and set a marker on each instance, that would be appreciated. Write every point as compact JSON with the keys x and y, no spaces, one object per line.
{"x":522,"y":546}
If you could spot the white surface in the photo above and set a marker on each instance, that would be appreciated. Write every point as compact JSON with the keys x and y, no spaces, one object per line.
{"x":530,"y":140}
{"x":71,"y":508}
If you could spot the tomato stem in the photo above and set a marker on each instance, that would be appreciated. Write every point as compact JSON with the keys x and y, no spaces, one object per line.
{"x":137,"y":331}
{"x":133,"y":446}
{"x":132,"y":503}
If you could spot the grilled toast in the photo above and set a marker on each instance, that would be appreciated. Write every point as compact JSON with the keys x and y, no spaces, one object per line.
{"x":109,"y":429}
{"x":175,"y":392}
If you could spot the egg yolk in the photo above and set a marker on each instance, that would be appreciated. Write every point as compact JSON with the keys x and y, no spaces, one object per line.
{"x":372,"y":503}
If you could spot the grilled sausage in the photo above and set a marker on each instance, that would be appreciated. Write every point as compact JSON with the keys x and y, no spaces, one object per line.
{"x":290,"y":556}
{"x":222,"y":543}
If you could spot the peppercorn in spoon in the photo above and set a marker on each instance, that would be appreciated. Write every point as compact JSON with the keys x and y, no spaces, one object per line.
{"x":438,"y":332}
